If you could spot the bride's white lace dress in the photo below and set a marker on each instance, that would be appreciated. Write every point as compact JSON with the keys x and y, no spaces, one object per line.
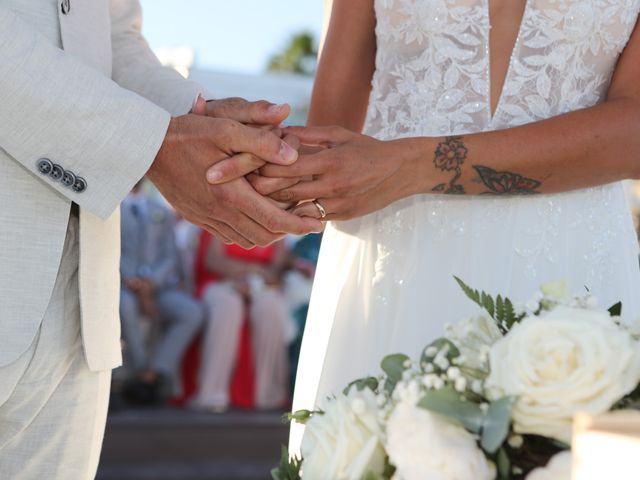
{"x":385,"y":282}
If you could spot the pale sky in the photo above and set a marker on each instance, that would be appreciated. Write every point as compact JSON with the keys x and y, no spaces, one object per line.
{"x":230,"y":35}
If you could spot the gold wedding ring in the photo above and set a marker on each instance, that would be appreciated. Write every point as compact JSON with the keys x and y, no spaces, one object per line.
{"x":323,"y":212}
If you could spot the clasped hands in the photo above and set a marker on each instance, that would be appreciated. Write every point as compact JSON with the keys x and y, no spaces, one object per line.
{"x":231,"y":169}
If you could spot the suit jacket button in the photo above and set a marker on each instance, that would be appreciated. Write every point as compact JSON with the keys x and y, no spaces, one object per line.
{"x":56,"y":172}
{"x":45,"y":166}
{"x":68,"y":178}
{"x":65,"y":6}
{"x":80,"y":185}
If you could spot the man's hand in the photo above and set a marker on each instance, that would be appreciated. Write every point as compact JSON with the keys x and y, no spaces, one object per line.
{"x":259,"y":114}
{"x":233,"y":210}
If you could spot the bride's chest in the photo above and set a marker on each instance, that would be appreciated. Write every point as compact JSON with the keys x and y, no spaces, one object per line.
{"x":460,"y":27}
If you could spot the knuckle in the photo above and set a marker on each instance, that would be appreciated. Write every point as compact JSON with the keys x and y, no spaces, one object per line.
{"x":268,"y":143}
{"x":224,"y":195}
{"x":339,"y":187}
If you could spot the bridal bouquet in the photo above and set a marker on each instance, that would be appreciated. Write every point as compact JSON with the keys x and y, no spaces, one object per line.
{"x":494,"y":398}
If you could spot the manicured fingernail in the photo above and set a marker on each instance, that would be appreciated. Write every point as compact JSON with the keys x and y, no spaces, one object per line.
{"x":288,"y":153}
{"x":214,"y":176}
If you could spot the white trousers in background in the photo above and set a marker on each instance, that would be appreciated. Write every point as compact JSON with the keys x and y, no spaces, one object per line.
{"x":52,"y":407}
{"x":226,"y":312}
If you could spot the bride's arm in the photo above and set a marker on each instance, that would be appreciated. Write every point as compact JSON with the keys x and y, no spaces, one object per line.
{"x":346,"y":66}
{"x":580,"y":149}
{"x":342,"y":85}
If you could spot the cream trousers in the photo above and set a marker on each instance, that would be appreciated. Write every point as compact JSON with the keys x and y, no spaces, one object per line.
{"x":52,"y":407}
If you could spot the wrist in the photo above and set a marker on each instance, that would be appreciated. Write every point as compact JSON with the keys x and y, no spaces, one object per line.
{"x":417,"y":166}
{"x":167,"y":147}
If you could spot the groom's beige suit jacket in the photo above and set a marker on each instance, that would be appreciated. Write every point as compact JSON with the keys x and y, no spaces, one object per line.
{"x":81,"y":96}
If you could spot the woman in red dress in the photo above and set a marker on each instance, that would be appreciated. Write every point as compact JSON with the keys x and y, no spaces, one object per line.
{"x":235,"y":284}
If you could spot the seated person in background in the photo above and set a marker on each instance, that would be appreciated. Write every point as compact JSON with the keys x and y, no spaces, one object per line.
{"x":187,"y":236}
{"x":150,"y":278}
{"x":235,"y":283}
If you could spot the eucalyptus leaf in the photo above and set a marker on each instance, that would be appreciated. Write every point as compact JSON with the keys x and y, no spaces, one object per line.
{"x":496,"y":424}
{"x":448,"y":403}
{"x":369,"y":382}
{"x":394,"y":367}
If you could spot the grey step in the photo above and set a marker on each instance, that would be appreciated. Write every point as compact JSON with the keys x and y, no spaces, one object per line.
{"x":185,"y":445}
{"x":161,"y":471}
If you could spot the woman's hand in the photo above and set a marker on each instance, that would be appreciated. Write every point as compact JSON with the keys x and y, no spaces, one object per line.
{"x":351,"y":176}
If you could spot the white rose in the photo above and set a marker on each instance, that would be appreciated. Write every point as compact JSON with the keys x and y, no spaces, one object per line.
{"x":423,"y":445}
{"x":567,"y":361}
{"x":559,"y":468}
{"x":473,"y":337}
{"x":346,"y":442}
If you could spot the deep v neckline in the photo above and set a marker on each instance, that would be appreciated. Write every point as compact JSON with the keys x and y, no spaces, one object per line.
{"x":514,"y":53}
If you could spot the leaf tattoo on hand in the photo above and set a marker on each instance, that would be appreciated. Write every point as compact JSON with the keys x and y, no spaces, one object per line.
{"x":449,"y":156}
{"x":506,"y":183}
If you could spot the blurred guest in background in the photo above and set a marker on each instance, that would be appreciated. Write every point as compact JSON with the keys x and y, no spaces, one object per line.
{"x":187,"y":237}
{"x":235,"y":283}
{"x":150,"y":289}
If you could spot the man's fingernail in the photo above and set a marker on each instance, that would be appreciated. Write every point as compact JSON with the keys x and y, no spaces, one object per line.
{"x":276,"y":109}
{"x":214,"y":176}
{"x":288,"y":153}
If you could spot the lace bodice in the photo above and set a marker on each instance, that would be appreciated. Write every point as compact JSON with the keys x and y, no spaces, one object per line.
{"x":432,"y":75}
{"x":432,"y":79}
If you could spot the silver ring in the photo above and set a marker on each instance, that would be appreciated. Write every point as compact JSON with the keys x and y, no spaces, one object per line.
{"x":323,"y":212}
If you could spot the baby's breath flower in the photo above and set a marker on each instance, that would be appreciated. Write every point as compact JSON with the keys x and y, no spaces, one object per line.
{"x":515,"y":441}
{"x":460,"y":384}
{"x":453,"y":373}
{"x":441,"y":362}
{"x":431,"y":351}
{"x":476,"y":387}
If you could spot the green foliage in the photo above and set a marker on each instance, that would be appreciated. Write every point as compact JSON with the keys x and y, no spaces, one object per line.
{"x":437,"y":346}
{"x":450,"y":404}
{"x":497,"y":421}
{"x":492,"y":426}
{"x":389,"y":470}
{"x":302,"y":416}
{"x":504,"y":465}
{"x":369,"y":382}
{"x":295,"y":58}
{"x":394,"y":367}
{"x":288,"y":469}
{"x":616,"y":310}
{"x":501,"y":309}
